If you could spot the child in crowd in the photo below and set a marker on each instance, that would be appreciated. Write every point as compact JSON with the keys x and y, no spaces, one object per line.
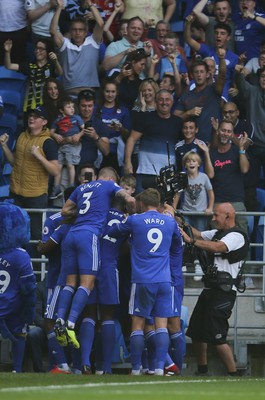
{"x":67,"y":130}
{"x":164,"y":65}
{"x":128,"y":183}
{"x":189,"y":143}
{"x":198,"y":197}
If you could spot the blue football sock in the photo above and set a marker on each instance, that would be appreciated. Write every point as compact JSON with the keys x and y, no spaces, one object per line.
{"x":65,"y":299}
{"x":150,"y":342}
{"x":168,"y":361}
{"x":86,"y":339}
{"x":18,"y":350}
{"x":56,"y":352}
{"x":108,"y":343}
{"x":162,"y":343}
{"x":78,"y":303}
{"x":145,"y":364}
{"x":177,"y":348}
{"x":137,"y":347}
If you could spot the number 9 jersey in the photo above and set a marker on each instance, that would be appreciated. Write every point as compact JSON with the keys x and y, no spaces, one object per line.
{"x":153,"y":237}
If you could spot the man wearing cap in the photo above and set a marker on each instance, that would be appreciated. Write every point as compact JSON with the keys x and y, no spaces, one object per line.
{"x":34,"y":159}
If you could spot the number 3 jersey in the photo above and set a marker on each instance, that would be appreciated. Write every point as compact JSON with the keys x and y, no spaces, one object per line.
{"x":154,"y":236}
{"x":15,"y":271}
{"x":93,"y":202}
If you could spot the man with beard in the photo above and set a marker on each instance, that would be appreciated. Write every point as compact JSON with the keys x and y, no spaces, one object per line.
{"x":230,"y":163}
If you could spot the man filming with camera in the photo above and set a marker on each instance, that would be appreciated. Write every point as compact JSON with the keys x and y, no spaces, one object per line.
{"x":222,"y":252}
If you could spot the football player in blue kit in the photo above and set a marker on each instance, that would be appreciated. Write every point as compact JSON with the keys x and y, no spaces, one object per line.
{"x":52,"y":236}
{"x":17,"y":280}
{"x":105,"y":295}
{"x":155,"y":244}
{"x":89,"y":204}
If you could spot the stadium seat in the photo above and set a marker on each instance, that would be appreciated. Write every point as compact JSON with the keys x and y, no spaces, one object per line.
{"x":260,"y":238}
{"x":261,"y":199}
{"x":12,"y":100}
{"x":12,"y":80}
{"x":4,"y":191}
{"x":250,"y":220}
{"x":8,"y":124}
{"x":5,"y":174}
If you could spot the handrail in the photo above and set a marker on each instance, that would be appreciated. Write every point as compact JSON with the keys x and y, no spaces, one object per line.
{"x":43,"y":260}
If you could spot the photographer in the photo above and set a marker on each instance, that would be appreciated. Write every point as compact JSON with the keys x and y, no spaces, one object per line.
{"x":228,"y":246}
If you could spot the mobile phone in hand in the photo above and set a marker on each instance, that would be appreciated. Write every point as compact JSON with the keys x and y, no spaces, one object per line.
{"x":88,"y":176}
{"x":88,"y":124}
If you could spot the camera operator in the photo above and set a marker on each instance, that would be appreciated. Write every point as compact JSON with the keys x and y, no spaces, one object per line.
{"x":226,"y":248}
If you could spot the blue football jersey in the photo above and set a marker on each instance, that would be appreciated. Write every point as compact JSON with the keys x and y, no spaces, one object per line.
{"x":15,"y":266}
{"x":93,"y":201}
{"x":153,"y":236}
{"x":50,"y":224}
{"x":109,"y":246}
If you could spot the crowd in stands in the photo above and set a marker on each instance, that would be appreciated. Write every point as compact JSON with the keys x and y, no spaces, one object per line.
{"x":109,"y":84}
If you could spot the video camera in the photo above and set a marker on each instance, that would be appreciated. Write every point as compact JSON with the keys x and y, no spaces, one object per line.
{"x":169,"y":181}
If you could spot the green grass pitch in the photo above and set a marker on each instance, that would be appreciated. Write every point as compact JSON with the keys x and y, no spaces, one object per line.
{"x":120,"y":387}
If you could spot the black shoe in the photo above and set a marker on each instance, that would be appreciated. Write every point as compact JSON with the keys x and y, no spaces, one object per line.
{"x":86,"y":370}
{"x":197,"y":373}
{"x":237,"y":373}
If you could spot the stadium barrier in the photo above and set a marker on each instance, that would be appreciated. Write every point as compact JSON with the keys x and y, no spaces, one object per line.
{"x":247,"y":321}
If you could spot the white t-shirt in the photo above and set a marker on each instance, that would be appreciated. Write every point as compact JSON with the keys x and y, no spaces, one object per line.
{"x":13,"y":16}
{"x":41,"y":25}
{"x":233,"y":241}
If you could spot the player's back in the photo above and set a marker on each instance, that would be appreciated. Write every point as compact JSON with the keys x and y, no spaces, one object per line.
{"x":93,"y":201}
{"x":14,"y":265}
{"x":151,"y":239}
{"x":109,"y":246}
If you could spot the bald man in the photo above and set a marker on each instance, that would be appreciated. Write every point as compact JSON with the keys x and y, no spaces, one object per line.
{"x":225,"y":248}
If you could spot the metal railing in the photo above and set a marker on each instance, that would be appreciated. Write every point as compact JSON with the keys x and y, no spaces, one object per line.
{"x":236,"y":325}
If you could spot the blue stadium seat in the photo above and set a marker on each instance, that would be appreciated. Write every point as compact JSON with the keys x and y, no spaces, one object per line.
{"x":4,"y":191}
{"x":12,"y":100}
{"x":260,"y":239}
{"x":5,"y":174}
{"x":12,"y":80}
{"x":8,"y":124}
{"x":261,"y":199}
{"x":250,"y":219}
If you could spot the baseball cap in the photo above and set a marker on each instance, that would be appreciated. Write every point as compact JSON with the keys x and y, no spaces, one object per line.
{"x":40,"y":111}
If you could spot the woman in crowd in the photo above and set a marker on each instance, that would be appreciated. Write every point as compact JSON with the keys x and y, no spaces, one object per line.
{"x":129,"y":77}
{"x":145,"y":102}
{"x":117,"y":119}
{"x":52,"y":93}
{"x":45,"y":66}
